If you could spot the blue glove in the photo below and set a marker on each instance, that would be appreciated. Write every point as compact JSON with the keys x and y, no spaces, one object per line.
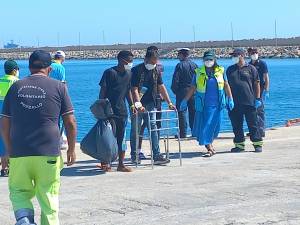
{"x":257,"y":103}
{"x":230,"y":104}
{"x":183,"y":105}
{"x":265,"y":95}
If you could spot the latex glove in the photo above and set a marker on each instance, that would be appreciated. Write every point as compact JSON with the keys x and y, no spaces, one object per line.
{"x":265,"y":95}
{"x":183,"y":105}
{"x":257,"y":103}
{"x":230,"y":104}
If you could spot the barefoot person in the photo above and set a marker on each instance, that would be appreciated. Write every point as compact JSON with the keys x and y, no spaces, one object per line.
{"x":211,"y":87}
{"x":115,"y":86}
{"x":11,"y":69}
{"x":31,"y":135}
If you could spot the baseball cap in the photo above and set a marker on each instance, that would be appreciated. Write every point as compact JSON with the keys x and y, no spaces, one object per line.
{"x":60,"y":54}
{"x":209,"y":55}
{"x":237,"y":52}
{"x":40,"y":59}
{"x":10,"y":65}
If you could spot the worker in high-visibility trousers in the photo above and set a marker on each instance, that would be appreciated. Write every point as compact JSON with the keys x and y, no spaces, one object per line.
{"x":31,"y":135}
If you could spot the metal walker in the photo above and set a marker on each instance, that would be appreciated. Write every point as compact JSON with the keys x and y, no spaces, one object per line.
{"x":167,"y":128}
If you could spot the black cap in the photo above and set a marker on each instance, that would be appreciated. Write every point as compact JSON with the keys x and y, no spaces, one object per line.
{"x":237,"y":52}
{"x":39,"y":59}
{"x":252,"y":50}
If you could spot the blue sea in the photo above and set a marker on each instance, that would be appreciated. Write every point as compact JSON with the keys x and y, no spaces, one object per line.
{"x":83,"y":78}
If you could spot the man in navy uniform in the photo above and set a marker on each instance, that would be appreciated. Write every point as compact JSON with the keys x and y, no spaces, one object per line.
{"x":245,"y":86}
{"x":263,"y":73}
{"x":181,"y":82}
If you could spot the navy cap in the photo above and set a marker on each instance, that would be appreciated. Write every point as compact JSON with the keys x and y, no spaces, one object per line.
{"x":40,"y":59}
{"x":238,"y":51}
{"x":209,"y":55}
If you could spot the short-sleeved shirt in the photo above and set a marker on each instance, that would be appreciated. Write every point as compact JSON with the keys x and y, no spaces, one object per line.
{"x":34,"y":106}
{"x":148,"y":82}
{"x":242,"y":82}
{"x":262,"y":69}
{"x":117,"y":86}
{"x":58,"y":71}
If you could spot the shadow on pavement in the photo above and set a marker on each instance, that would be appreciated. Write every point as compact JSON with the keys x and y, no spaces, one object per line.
{"x":88,"y":170}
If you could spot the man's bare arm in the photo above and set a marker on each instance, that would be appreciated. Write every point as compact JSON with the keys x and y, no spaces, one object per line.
{"x":71,"y":132}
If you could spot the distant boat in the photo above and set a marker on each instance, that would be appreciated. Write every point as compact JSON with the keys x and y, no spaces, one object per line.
{"x":11,"y":45}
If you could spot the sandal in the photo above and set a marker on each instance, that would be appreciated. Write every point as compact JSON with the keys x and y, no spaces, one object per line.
{"x":210,"y":151}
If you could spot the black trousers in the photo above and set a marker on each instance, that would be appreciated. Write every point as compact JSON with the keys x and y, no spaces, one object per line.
{"x":183,"y":116}
{"x":120,"y":124}
{"x":237,"y":119}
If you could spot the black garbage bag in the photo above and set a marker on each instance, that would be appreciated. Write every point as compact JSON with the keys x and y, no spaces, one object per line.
{"x":100,"y":142}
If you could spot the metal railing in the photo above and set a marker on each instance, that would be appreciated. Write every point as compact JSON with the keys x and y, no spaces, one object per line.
{"x":167,"y":128}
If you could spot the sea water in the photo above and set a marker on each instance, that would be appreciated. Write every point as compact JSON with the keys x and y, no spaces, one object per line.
{"x":83,"y":78}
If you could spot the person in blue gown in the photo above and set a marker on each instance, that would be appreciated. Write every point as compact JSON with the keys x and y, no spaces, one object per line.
{"x":212,"y":95}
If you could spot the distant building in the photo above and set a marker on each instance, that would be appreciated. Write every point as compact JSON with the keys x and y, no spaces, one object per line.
{"x":11,"y":45}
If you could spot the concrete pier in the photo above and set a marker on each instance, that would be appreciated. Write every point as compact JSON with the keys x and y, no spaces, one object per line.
{"x":231,"y":189}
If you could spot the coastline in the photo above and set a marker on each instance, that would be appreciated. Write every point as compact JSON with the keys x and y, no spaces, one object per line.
{"x":265,"y":52}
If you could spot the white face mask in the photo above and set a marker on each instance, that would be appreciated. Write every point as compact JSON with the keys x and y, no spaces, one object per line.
{"x":150,"y":66}
{"x":254,"y":57}
{"x":17,"y":73}
{"x":236,"y":59}
{"x":209,"y":63}
{"x":128,"y":66}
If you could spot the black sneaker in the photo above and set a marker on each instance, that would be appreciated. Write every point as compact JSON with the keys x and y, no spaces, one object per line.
{"x":133,"y":160}
{"x":4,"y":173}
{"x":237,"y":150}
{"x":160,"y":160}
{"x":258,"y":149}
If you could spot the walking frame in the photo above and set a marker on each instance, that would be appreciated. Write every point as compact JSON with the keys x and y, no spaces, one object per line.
{"x":167,"y":128}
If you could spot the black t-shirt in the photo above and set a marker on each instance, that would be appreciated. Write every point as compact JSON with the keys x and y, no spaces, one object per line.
{"x":117,"y":85}
{"x":242,"y":81}
{"x":261,"y":68}
{"x":148,"y":82}
{"x":34,"y":106}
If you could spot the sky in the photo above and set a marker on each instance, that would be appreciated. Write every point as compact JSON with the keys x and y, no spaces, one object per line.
{"x":58,"y":23}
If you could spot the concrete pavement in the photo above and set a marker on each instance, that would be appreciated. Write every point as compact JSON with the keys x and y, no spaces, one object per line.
{"x":231,"y":189}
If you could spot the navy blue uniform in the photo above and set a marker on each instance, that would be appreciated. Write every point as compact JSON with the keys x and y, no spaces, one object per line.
{"x":242,"y":81}
{"x":181,"y":82}
{"x":262,"y":69}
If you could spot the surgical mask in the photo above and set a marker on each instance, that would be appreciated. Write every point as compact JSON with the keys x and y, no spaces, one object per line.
{"x":235,"y":59}
{"x":150,"y":66}
{"x":209,"y":63}
{"x":128,"y":66}
{"x":17,"y":73}
{"x":254,"y":57}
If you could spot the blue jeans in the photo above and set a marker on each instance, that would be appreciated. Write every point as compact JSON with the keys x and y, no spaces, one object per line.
{"x":136,"y":122}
